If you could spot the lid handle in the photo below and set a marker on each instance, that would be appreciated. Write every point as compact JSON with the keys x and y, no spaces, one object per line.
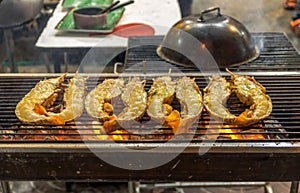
{"x":201,"y":19}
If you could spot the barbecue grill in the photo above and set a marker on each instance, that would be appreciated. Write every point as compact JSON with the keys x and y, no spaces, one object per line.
{"x":266,"y":151}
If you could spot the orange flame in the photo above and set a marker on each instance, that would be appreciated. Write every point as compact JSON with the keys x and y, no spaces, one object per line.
{"x":232,"y":135}
{"x":116,"y":135}
{"x":119,"y":135}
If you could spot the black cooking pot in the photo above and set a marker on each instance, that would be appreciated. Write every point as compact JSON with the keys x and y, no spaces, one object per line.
{"x":226,"y":39}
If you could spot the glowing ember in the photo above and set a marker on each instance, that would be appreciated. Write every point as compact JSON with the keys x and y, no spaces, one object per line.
{"x":226,"y":129}
{"x":232,"y":133}
{"x":116,"y":135}
{"x":214,"y":131}
{"x":121,"y":135}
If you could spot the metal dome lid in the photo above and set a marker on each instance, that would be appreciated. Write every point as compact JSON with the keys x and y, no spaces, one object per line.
{"x":227,"y":40}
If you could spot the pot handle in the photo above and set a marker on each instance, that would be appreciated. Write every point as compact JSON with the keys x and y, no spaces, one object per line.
{"x":207,"y":11}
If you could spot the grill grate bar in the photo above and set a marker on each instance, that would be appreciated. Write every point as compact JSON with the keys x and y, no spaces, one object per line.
{"x":280,"y":126}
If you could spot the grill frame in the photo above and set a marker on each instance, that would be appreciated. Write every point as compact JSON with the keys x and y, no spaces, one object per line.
{"x":77,"y":163}
{"x":225,"y":161}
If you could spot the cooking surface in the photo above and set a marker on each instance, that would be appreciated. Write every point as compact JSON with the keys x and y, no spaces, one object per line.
{"x":276,"y":54}
{"x":280,"y":126}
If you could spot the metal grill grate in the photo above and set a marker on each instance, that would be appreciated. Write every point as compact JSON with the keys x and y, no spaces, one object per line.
{"x":281,"y":126}
{"x":276,"y":54}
